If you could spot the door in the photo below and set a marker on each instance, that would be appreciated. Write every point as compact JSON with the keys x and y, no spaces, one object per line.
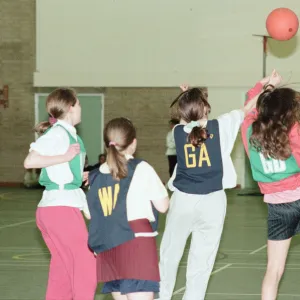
{"x":91,"y":127}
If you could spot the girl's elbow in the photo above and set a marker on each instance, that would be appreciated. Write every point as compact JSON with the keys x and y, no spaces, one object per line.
{"x":31,"y":160}
{"x":164,"y":208}
{"x":26,"y":164}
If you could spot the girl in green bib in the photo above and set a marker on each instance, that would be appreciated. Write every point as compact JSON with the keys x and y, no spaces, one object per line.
{"x":60,"y":153}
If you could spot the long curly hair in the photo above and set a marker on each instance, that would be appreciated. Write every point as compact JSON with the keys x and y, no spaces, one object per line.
{"x":278,"y":111}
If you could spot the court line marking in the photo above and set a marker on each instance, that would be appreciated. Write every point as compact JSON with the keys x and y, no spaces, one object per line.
{"x":259,"y":249}
{"x":2,"y":195}
{"x":24,"y":265}
{"x":183,"y":265}
{"x":23,"y":256}
{"x":17,"y":224}
{"x":238,"y":251}
{"x":214,"y":272}
{"x":46,"y":265}
{"x":260,"y":268}
{"x":223,"y":268}
{"x":233,"y":294}
{"x":231,"y":251}
{"x":9,"y":249}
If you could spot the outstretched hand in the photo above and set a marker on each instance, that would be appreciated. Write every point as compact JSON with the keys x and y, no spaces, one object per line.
{"x":73,"y":150}
{"x":184,"y":87}
{"x":275,"y":78}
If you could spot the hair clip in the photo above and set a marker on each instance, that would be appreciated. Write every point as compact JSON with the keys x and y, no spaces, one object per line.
{"x":189,"y":126}
{"x":52,"y":121}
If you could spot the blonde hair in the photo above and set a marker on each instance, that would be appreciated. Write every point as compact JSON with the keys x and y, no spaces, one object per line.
{"x":58,"y":104}
{"x":119,"y":133}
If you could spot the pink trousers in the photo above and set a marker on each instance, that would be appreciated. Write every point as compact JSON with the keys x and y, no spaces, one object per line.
{"x":72,"y":273}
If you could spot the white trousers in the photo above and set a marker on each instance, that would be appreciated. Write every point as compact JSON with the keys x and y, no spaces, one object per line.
{"x":203,"y":217}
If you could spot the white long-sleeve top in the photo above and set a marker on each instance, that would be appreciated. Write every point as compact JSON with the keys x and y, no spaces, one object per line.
{"x":170,"y":142}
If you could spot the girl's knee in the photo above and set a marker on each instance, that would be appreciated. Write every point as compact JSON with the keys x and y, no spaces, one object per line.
{"x":275,"y":270}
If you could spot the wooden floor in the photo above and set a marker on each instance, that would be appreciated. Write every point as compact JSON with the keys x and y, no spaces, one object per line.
{"x":238,"y":271}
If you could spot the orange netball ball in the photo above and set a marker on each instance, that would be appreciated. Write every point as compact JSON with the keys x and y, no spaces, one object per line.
{"x":282,"y":24}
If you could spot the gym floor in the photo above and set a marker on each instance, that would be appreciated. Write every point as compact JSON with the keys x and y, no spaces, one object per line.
{"x":238,"y":271}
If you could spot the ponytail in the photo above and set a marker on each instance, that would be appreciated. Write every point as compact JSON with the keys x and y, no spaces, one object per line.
{"x":116,"y":162}
{"x":198,"y":136}
{"x":119,"y":134}
{"x":58,"y":104}
{"x":42,"y":127}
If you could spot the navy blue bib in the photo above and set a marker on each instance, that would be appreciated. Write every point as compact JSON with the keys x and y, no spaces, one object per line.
{"x":199,"y":169}
{"x":109,"y":226}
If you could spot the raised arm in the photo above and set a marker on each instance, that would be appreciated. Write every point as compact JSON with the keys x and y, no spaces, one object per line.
{"x":252,"y":96}
{"x":250,"y":104}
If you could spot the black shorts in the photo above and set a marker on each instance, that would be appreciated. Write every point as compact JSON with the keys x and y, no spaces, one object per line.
{"x":283,"y":220}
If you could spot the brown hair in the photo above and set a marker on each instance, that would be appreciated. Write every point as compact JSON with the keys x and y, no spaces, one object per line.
{"x":193,"y":106}
{"x":58,"y":103}
{"x":278,"y":111}
{"x":119,"y":133}
{"x":174,"y":122}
